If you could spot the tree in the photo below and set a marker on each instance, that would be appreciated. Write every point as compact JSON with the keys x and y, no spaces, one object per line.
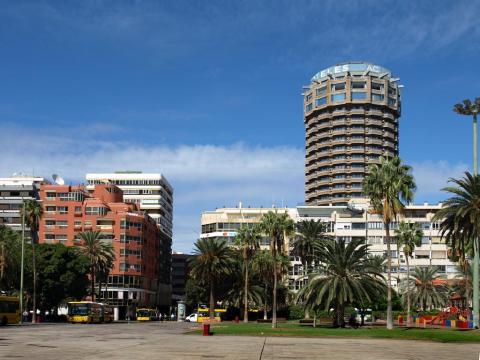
{"x":10,"y":252}
{"x":62,"y":275}
{"x":98,"y":253}
{"x":263,"y":266}
{"x":427,"y":292}
{"x":409,"y":235}
{"x":460,"y":219}
{"x":32,"y":211}
{"x":248,"y":239}
{"x":346,"y":276}
{"x":310,"y":234}
{"x":389,"y":185}
{"x":277,"y":227}
{"x":237,"y":293}
{"x":213,"y":259}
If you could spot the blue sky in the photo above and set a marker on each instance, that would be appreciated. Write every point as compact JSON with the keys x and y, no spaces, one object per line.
{"x":208,"y":92}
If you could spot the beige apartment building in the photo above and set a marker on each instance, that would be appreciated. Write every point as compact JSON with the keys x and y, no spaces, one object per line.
{"x":351,"y":113}
{"x":344,"y":221}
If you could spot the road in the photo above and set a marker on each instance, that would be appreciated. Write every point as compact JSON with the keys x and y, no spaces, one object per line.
{"x":168,"y":340}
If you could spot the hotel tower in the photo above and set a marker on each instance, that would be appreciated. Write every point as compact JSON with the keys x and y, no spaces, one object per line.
{"x":351,"y":113}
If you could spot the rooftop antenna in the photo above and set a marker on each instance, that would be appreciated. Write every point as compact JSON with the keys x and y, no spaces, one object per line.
{"x":57,"y":179}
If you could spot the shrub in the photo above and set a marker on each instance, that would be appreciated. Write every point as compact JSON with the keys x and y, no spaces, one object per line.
{"x":295,"y":312}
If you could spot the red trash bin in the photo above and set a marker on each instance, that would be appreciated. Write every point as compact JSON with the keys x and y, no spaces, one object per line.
{"x":206,"y":329}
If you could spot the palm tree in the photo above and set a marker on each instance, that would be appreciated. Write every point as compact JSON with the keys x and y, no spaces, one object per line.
{"x":103,"y":271}
{"x":409,"y":235}
{"x":277,"y":227}
{"x":310,"y":234}
{"x":346,"y":276}
{"x":427,"y":292}
{"x":263,"y":266}
{"x":98,"y":252}
{"x":237,"y":292}
{"x":32,"y":212}
{"x":248,"y":239}
{"x":389,"y":185}
{"x":213,"y":258}
{"x":459,"y":219}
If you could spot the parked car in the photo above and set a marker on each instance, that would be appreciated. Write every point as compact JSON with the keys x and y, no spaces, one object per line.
{"x":192,"y":317}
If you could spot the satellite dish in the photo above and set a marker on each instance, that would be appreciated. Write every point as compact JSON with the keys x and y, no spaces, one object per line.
{"x":58,"y":179}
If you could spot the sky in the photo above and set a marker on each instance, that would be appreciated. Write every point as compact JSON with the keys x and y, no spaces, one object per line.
{"x":208,"y":93}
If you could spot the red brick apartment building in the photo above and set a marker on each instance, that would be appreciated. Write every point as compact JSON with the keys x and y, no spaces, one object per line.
{"x":142,"y":251}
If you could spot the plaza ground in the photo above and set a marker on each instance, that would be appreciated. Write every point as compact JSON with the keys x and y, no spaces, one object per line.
{"x":176,"y":341}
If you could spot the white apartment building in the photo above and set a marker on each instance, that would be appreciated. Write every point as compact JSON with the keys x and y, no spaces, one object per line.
{"x":347,"y":222}
{"x":14,"y":191}
{"x":151,"y":192}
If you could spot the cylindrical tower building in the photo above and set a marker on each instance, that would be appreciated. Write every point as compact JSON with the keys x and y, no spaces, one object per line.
{"x":351,"y":113}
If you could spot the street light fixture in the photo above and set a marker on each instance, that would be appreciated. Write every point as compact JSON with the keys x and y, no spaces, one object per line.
{"x":470,"y":108}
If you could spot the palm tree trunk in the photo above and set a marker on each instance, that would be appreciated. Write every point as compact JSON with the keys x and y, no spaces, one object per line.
{"x":398,"y":266}
{"x":408,"y":292}
{"x":274,"y":304}
{"x":212,"y":302}
{"x":245,"y":294}
{"x":34,"y":270}
{"x":93,"y":282}
{"x":265,"y":305}
{"x":389,"y":277}
{"x":305,"y":273}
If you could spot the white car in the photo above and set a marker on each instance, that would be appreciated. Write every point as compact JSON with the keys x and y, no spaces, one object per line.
{"x":192,"y":318}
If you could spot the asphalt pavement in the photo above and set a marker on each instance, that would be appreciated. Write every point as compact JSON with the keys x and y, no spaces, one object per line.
{"x":171,"y":340}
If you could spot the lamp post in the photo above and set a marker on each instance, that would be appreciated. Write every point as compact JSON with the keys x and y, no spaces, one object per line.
{"x":472,"y":109}
{"x":22,"y":261}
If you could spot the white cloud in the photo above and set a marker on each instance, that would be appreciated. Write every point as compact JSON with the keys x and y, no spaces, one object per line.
{"x":203,"y":176}
{"x":432,"y":176}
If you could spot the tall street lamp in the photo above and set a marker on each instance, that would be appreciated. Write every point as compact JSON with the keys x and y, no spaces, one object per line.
{"x":471,"y":109}
{"x":22,"y":209}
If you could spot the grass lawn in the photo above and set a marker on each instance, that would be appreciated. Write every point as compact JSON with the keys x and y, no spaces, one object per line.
{"x":294,"y":329}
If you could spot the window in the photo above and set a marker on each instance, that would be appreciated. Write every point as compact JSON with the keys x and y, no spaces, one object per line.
{"x":308,"y":97}
{"x":359,"y":95}
{"x":359,"y":84}
{"x":392,"y":101}
{"x":321,"y":91}
{"x":338,"y":97}
{"x":309,"y":107}
{"x":50,"y":195}
{"x":377,"y":86}
{"x":338,"y":87}
{"x":61,"y":237}
{"x":62,"y":224}
{"x":321,"y":101}
{"x":375,"y":225}
{"x":358,"y":226}
{"x":78,"y":209}
{"x":63,"y":209}
{"x":377,"y":97}
{"x":49,"y":223}
{"x":50,"y":209}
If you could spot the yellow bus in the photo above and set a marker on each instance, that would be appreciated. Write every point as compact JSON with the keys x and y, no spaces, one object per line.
{"x":145,"y":314}
{"x":86,"y":312}
{"x":204,"y":314}
{"x":107,"y":313}
{"x":9,"y":310}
